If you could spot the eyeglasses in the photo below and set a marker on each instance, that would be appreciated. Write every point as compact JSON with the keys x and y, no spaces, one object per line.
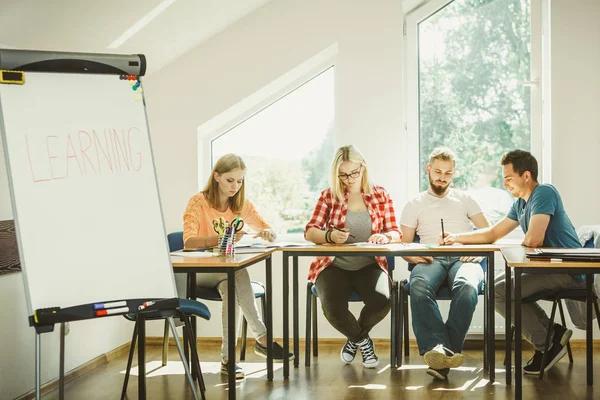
{"x":352,"y":175}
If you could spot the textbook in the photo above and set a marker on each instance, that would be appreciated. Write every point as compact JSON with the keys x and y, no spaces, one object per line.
{"x":581,"y":254}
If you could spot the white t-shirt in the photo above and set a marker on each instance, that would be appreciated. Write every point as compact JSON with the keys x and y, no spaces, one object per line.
{"x":426,"y":211}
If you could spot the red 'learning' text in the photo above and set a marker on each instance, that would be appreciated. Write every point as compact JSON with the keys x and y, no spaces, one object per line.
{"x":85,"y":153}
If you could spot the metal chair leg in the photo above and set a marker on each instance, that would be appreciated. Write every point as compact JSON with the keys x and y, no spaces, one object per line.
{"x":564,"y":323}
{"x":194,"y":355}
{"x":406,"y":344}
{"x":393,"y":336}
{"x":244,"y":334}
{"x":129,"y":360}
{"x":308,"y":325}
{"x":547,"y":344}
{"x":314,"y":326}
{"x":165,"y":352}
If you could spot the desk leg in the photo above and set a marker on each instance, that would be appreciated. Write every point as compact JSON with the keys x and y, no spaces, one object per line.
{"x":491,"y":318}
{"x":269,"y":321}
{"x":193,"y":328}
{"x":508,"y":323}
{"x":518,"y":355}
{"x":286,"y":316}
{"x":38,"y":364}
{"x":61,"y":366}
{"x":231,"y":337}
{"x":141,"y":356}
{"x":296,"y":312}
{"x":589,"y":280}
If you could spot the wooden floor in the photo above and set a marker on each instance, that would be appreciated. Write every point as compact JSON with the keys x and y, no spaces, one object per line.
{"x":329,"y":379}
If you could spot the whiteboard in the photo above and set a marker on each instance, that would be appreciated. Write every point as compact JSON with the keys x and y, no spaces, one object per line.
{"x":84,"y":190}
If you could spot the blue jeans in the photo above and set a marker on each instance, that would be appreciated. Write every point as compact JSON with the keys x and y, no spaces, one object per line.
{"x":464,"y":280}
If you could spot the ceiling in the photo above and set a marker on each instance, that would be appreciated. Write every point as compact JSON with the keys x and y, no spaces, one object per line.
{"x":91,"y":25}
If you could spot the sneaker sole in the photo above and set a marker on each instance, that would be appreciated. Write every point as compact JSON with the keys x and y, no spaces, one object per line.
{"x":437,"y":360}
{"x":566,"y":337}
{"x":372,"y":365}
{"x":258,"y":353}
{"x":237,"y":375}
{"x":435,"y":374}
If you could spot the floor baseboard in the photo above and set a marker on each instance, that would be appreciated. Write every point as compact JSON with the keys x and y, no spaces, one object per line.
{"x":79,"y":371}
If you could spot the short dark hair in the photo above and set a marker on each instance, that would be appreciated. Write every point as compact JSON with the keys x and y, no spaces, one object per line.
{"x":521,"y":161}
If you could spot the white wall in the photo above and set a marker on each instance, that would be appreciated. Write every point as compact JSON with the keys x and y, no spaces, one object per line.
{"x":575,"y":33}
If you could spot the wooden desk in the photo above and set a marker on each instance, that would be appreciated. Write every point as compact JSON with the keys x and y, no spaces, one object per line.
{"x":228,"y":265}
{"x":388,"y":251}
{"x":515,"y":258}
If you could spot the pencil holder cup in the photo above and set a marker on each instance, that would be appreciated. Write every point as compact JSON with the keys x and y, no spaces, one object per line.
{"x":230,"y":245}
{"x":219,"y":249}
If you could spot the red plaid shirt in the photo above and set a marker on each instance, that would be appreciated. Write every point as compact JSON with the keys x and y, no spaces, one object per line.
{"x":383,"y":219}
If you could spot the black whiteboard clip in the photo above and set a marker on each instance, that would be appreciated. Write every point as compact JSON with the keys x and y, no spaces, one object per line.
{"x":44,"y":319}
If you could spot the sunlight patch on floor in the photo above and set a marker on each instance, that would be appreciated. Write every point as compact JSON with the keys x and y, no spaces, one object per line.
{"x":155,"y":368}
{"x":370,"y":386}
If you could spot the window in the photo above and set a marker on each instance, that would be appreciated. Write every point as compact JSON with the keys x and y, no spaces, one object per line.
{"x":469,"y":88}
{"x":287,"y":147}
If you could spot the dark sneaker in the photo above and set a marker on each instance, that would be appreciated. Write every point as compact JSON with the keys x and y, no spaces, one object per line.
{"x":534,"y":365}
{"x":561,"y":335}
{"x":239,"y":372}
{"x":440,"y":374}
{"x":348,"y":351}
{"x":367,"y":350}
{"x":441,"y":357}
{"x":277,"y":352}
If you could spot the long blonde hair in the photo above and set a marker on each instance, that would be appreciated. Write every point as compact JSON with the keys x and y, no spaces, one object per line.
{"x":348,"y":153}
{"x":225,"y":164}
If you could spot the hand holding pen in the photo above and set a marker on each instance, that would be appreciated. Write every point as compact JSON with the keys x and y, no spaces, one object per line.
{"x":339,"y":235}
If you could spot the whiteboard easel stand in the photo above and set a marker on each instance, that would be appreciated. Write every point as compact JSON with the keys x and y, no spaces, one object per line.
{"x":169,"y":308}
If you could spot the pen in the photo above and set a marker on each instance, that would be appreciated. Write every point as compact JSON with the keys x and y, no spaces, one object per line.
{"x":443,"y":235}
{"x":100,"y":306}
{"x":341,"y":230}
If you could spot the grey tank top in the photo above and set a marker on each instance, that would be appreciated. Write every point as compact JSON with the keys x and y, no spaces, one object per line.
{"x":359,"y":224}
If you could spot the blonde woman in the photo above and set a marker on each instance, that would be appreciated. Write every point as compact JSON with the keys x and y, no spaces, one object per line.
{"x":353,"y":210}
{"x":223,"y":196}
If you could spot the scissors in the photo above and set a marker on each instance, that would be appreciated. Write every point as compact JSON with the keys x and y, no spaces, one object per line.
{"x":237,"y":224}
{"x":220,"y":225}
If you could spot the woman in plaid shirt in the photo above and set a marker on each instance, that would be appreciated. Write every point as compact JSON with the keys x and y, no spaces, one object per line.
{"x":353,"y":210}
{"x":223,"y":196}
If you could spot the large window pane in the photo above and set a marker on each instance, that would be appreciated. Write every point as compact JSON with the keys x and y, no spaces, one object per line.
{"x":472,"y":54}
{"x":287,"y":148}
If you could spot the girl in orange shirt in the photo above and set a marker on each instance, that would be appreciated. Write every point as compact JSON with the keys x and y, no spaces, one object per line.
{"x":223,"y":196}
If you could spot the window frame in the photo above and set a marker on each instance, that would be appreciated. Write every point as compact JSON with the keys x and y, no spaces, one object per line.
{"x":258,"y":101}
{"x":539,"y":84}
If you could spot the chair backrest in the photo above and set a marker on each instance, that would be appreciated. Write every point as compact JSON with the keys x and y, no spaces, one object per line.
{"x":175,"y":240}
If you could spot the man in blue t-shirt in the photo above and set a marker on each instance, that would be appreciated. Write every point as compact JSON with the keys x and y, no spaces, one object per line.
{"x":540,"y":213}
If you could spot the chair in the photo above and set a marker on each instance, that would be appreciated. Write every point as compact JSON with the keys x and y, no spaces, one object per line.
{"x":311,"y":316}
{"x":212,"y":294}
{"x":443,"y":293}
{"x":189,"y":308}
{"x":556,"y":298}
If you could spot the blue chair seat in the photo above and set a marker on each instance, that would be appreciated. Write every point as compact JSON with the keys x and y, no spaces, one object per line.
{"x":353,"y":297}
{"x":213,"y":294}
{"x":190,"y":307}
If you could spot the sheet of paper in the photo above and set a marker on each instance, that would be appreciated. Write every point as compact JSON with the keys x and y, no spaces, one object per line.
{"x":193,"y":254}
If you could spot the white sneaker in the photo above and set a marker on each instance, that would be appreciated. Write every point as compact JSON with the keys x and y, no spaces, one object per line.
{"x":441,"y":357}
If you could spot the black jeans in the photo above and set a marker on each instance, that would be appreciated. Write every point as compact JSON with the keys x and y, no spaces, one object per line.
{"x":335,"y":285}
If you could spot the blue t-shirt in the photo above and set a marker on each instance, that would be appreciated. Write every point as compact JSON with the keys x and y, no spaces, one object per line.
{"x":545,"y":200}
